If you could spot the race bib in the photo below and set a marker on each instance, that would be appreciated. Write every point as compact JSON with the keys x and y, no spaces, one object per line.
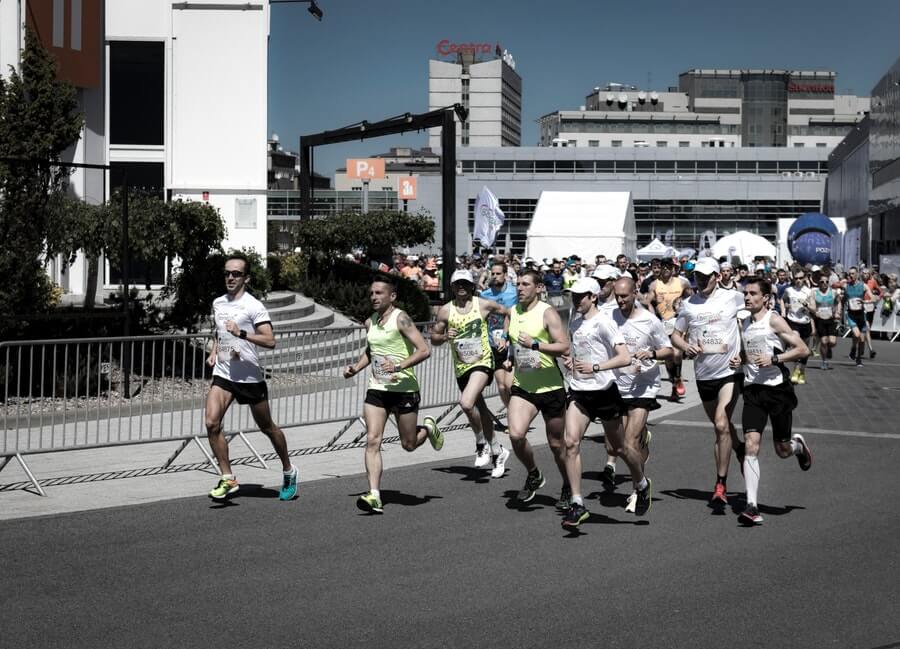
{"x":583,"y":353}
{"x":869,"y":307}
{"x":228,"y":348}
{"x":527,"y":360}
{"x":755,"y":346}
{"x":825,"y":312}
{"x":669,"y":326}
{"x":497,"y":337}
{"x":381,"y":376}
{"x":468,"y":350}
{"x":854,"y":304}
{"x":711,"y":340}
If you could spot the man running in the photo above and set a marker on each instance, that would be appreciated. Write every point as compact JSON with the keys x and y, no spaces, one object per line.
{"x":665,"y":296}
{"x":855,"y":294}
{"x":463,"y":321}
{"x":538,"y":338}
{"x":768,"y":396}
{"x":707,"y":331}
{"x":502,"y":292}
{"x":827,"y":305}
{"x":242,"y":325}
{"x":647,"y":341}
{"x":597,"y":349}
{"x":795,"y":304}
{"x":394,"y":347}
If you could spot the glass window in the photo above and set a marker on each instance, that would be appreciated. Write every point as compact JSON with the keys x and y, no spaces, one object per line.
{"x":687,"y":166}
{"x":484,"y":166}
{"x":821,"y":145}
{"x":809,"y":165}
{"x":645,"y":166}
{"x":606,"y":166}
{"x":136,"y":93}
{"x":706,"y":166}
{"x":787,"y":165}
{"x":683,"y":144}
{"x":747,"y":166}
{"x":584,"y":166}
{"x":662,"y":143}
{"x":565,"y":166}
{"x":665,"y":166}
{"x":726,"y":167}
{"x":503,"y":166}
{"x":617,"y":143}
{"x":594,"y":143}
{"x":468,"y":166}
{"x":767,"y":166}
{"x":524,"y":166}
{"x":624,"y":166}
{"x":543,"y":166}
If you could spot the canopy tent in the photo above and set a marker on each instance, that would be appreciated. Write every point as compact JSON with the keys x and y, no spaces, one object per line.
{"x":744,"y":245}
{"x":687,"y":252}
{"x":586,"y":224}
{"x":656,"y":249}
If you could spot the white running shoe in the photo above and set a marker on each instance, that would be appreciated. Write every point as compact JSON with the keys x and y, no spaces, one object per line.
{"x":631,"y":505}
{"x":499,"y":469}
{"x":483,"y":456}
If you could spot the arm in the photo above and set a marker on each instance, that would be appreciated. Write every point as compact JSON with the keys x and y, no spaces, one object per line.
{"x":621,"y":359}
{"x":489,"y":306}
{"x":411,"y":333}
{"x":214,"y":351}
{"x":439,"y":332}
{"x":361,"y":364}
{"x":796,"y":348}
{"x":560,"y":344}
{"x":262,"y":334}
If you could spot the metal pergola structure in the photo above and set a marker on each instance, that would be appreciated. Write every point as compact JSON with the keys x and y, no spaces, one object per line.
{"x":442,"y":117}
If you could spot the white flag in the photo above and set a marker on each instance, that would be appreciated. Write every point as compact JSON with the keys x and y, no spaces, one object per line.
{"x":488,"y":217}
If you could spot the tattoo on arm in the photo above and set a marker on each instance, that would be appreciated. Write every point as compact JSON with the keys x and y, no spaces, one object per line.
{"x":405,"y":321}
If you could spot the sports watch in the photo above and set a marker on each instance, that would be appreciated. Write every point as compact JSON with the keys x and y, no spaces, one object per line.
{"x":243,"y":335}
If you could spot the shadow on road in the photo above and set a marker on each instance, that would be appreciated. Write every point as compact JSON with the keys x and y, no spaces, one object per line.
{"x":736,"y":502}
{"x":468,"y":473}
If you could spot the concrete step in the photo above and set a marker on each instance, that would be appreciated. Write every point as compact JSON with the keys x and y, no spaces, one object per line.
{"x":279,"y":299}
{"x":301,"y":308}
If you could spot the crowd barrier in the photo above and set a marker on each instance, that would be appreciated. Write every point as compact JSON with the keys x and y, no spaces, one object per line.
{"x":881,"y":322}
{"x":64,"y":395}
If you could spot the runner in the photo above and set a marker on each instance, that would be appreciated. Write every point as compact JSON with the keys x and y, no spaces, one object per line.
{"x":463,"y":322}
{"x":242,"y":324}
{"x":871,"y":282}
{"x":856,"y":293}
{"x":538,"y":338}
{"x":727,"y":276}
{"x":646,"y":341}
{"x":394,"y":347}
{"x":709,"y":320}
{"x":796,"y":304}
{"x":504,"y":293}
{"x":597,"y":349}
{"x":827,"y":304}
{"x":768,"y":396}
{"x":665,"y":297}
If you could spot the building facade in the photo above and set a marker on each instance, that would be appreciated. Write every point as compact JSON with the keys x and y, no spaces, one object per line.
{"x":487,"y":85}
{"x":712,"y":108}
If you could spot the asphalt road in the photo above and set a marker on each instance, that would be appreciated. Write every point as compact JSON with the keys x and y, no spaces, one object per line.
{"x":450,"y":565}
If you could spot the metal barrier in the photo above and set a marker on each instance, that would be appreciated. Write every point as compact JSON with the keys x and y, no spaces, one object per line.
{"x":62,"y":395}
{"x":881,"y":322}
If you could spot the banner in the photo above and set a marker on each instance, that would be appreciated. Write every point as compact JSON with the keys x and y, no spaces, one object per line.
{"x":488,"y":217}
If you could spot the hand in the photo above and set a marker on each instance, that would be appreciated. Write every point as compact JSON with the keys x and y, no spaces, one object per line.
{"x":452,"y":333}
{"x":567,"y":363}
{"x":693,"y":351}
{"x":232,"y":328}
{"x":389,"y":366}
{"x":507,"y":365}
{"x":762,"y":360}
{"x":525,"y":340}
{"x":211,"y":360}
{"x":349,"y":371}
{"x":584,"y":367}
{"x":734,"y":362}
{"x":644,"y":355}
{"x":501,"y":344}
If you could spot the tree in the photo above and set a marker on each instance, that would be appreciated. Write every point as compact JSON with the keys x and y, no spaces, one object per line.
{"x":376,"y":233}
{"x":39,"y":119}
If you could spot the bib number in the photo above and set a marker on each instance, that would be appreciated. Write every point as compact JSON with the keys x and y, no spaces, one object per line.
{"x":855,"y":304}
{"x":583,"y":354}
{"x":869,"y":307}
{"x":380,"y":375}
{"x":825,"y":312}
{"x":468,"y":350}
{"x":228,"y":349}
{"x":712,"y":341}
{"x":527,"y":360}
{"x":756,"y":346}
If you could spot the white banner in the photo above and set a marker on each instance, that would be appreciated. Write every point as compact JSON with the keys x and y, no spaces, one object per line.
{"x":488,"y":217}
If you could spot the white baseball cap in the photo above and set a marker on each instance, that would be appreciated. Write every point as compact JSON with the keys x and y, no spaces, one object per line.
{"x":585,"y":285}
{"x":462,"y":276}
{"x":605,"y":271}
{"x":706,"y":266}
{"x":816,"y":269}
{"x":725,"y":265}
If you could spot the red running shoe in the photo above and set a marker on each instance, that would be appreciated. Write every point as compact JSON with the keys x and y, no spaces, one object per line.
{"x":679,"y":387}
{"x":719,"y":496}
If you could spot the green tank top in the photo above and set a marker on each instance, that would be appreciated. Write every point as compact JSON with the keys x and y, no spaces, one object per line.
{"x":471,"y":347}
{"x":535,"y":371}
{"x":387,"y":341}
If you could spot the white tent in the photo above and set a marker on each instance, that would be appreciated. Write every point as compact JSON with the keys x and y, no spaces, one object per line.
{"x":586,"y":224}
{"x":656,"y":249}
{"x":745,"y":246}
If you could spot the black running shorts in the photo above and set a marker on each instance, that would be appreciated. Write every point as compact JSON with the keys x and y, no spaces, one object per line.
{"x":709,"y":390}
{"x":826,"y":327}
{"x":804,"y":330}
{"x":599,"y":405}
{"x":244,"y":393}
{"x":499,"y":358}
{"x":550,"y":404}
{"x":769,"y":403}
{"x":463,"y":381}
{"x":398,"y":403}
{"x":643,"y":402}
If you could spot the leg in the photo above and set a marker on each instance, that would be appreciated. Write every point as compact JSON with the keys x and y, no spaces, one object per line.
{"x":556,"y":428}
{"x":719,"y":413}
{"x":474,"y":408}
{"x":504,"y":385}
{"x":626,"y":444}
{"x":576,"y":424}
{"x":375,"y":419}
{"x":412,"y":436}
{"x":217,"y":402}
{"x":521,"y":414}
{"x":263,"y":418}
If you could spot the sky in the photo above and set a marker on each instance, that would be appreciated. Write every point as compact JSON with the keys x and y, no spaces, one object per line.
{"x":369,"y":60}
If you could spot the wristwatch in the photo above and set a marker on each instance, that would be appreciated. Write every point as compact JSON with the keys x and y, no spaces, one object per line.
{"x":653,"y":354}
{"x":596,"y":368}
{"x":535,"y":345}
{"x":775,"y":359}
{"x":242,"y":335}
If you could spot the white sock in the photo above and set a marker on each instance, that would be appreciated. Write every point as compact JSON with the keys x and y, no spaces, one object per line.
{"x":479,"y":439}
{"x":638,"y":486}
{"x":611,"y":463}
{"x":376,"y":493}
{"x":576,"y":499}
{"x":290,"y":471}
{"x":495,"y":446}
{"x":751,"y":477}
{"x":796,"y":447}
{"x":228,"y":476}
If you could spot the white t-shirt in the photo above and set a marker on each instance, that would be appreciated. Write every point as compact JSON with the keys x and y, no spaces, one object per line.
{"x":238,"y":360}
{"x":761,"y":340}
{"x":796,"y":301}
{"x":642,"y":332}
{"x":609,"y":307}
{"x":593,"y":341}
{"x":712,"y":324}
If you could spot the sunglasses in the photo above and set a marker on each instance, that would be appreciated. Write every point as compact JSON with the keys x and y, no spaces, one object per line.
{"x":233,"y":273}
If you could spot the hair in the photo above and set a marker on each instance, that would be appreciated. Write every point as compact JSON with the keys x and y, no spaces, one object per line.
{"x":241,"y":256}
{"x":386,"y":279}
{"x":534,"y":275}
{"x":502,"y":264}
{"x":765,"y":286}
{"x":622,"y":257}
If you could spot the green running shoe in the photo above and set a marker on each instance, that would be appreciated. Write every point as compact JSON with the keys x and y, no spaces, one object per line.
{"x":289,"y":485}
{"x":564,"y":497}
{"x":575,"y":516}
{"x":608,"y":477}
{"x":533,"y":482}
{"x":435,"y":436}
{"x":369,"y":502}
{"x":225,"y":488}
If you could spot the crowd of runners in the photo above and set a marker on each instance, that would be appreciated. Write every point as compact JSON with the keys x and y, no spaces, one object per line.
{"x":577,"y":343}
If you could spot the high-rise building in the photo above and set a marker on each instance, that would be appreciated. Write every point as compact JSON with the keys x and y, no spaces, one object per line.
{"x":484,"y":80}
{"x":712,"y":108}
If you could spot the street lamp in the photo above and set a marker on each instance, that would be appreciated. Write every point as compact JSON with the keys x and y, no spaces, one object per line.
{"x":313,"y":8}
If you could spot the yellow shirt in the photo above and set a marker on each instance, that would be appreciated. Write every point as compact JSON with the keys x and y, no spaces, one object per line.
{"x":535,"y":371}
{"x":471,"y":347}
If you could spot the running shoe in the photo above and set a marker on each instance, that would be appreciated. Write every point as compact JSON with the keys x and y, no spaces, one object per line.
{"x":805,"y":458}
{"x":719,"y":496}
{"x":225,"y":488}
{"x":631,"y":503}
{"x":801,"y":378}
{"x":859,"y":362}
{"x":608,"y":476}
{"x":645,"y":443}
{"x":533,"y":482}
{"x":795,"y":376}
{"x":435,"y":436}
{"x":872,"y":354}
{"x":575,"y":516}
{"x":824,"y":365}
{"x":751,"y":516}
{"x":565,"y":497}
{"x":644,"y":499}
{"x":679,"y":387}
{"x":499,"y":469}
{"x":369,"y":502}
{"x":852,"y":354}
{"x":482,"y":456}
{"x":289,"y":485}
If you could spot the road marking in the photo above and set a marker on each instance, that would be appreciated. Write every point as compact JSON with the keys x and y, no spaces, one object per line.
{"x":796,"y":429}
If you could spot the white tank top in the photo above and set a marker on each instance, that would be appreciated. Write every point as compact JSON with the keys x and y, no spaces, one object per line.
{"x":760,"y":340}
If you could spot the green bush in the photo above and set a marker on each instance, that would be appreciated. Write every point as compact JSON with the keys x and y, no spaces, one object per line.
{"x":287,"y":271}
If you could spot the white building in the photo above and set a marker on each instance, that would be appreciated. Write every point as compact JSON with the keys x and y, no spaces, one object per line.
{"x":176,"y":96}
{"x":491,"y":90}
{"x":712,"y":108}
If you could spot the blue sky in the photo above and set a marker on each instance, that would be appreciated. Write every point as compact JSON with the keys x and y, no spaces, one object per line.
{"x":369,"y":60}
